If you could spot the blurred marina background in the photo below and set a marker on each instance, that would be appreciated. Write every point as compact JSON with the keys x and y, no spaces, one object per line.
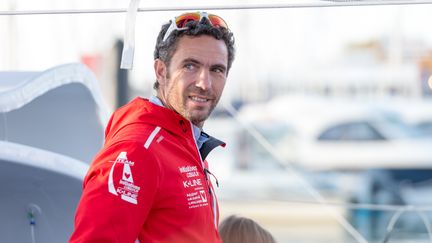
{"x":327,"y":111}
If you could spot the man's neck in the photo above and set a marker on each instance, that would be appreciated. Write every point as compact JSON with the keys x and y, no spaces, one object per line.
{"x":199,"y":138}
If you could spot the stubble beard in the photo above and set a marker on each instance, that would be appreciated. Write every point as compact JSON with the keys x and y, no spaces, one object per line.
{"x":195,"y":115}
{"x":198,"y":115}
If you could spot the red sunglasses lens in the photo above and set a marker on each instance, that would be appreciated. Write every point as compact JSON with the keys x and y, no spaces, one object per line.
{"x":217,"y":21}
{"x":183,"y":19}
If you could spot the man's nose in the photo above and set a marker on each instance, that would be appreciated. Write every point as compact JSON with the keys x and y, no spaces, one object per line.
{"x":204,"y":80}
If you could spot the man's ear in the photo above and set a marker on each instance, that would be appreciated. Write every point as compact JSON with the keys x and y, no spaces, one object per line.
{"x":160,"y":71}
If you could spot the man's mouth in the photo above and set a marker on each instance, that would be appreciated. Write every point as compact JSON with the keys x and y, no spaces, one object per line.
{"x":199,"y":99}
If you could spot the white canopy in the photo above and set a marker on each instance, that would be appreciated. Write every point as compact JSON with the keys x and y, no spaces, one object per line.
{"x":51,"y":125}
{"x":59,"y":110}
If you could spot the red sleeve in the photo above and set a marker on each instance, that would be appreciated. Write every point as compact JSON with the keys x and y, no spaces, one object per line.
{"x":118,"y":193}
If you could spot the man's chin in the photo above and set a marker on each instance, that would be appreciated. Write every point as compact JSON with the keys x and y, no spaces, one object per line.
{"x":198,"y":118}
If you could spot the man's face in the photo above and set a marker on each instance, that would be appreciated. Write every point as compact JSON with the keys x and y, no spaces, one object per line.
{"x":194,"y":81}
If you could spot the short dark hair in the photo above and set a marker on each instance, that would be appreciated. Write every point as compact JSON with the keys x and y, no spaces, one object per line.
{"x":165,"y":50}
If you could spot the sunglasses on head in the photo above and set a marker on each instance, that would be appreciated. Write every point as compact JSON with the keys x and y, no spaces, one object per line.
{"x":179,"y":23}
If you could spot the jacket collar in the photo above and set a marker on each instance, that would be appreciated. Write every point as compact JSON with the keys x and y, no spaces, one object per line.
{"x":142,"y":110}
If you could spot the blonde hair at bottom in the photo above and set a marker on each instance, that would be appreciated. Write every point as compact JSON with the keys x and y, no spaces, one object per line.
{"x":237,"y":229}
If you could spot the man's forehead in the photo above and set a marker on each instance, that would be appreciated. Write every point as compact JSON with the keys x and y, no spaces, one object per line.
{"x":202,"y":48}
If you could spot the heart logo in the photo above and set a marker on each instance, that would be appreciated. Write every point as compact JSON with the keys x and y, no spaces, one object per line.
{"x":126,"y":175}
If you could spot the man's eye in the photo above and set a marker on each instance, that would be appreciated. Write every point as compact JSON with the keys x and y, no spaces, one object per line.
{"x":189,"y":66}
{"x":219,"y":70}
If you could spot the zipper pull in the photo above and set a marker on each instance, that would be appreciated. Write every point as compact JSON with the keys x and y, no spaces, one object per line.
{"x":208,"y":172}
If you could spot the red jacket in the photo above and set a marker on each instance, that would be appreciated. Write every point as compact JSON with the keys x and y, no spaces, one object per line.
{"x":148,"y":182}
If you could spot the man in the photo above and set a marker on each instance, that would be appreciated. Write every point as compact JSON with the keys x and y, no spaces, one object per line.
{"x":150,"y":182}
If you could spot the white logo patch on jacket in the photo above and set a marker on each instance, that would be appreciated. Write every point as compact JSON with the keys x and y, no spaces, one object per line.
{"x":126,"y":188}
{"x":194,"y":185}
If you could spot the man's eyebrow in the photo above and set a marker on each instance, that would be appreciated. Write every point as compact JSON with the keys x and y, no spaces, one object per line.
{"x":221,"y":66}
{"x":189,"y":60}
{"x":193,"y":60}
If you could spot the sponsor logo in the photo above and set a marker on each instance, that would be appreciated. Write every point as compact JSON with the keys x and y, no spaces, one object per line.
{"x":127,"y":173}
{"x":192,"y":183}
{"x":122,"y":159}
{"x":197,"y":199}
{"x":185,"y":169}
{"x":190,"y":171}
{"x":195,"y":186}
{"x":125,"y":187}
{"x":203,"y":196}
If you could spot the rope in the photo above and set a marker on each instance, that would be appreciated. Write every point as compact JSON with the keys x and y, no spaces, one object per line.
{"x":318,"y":4}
